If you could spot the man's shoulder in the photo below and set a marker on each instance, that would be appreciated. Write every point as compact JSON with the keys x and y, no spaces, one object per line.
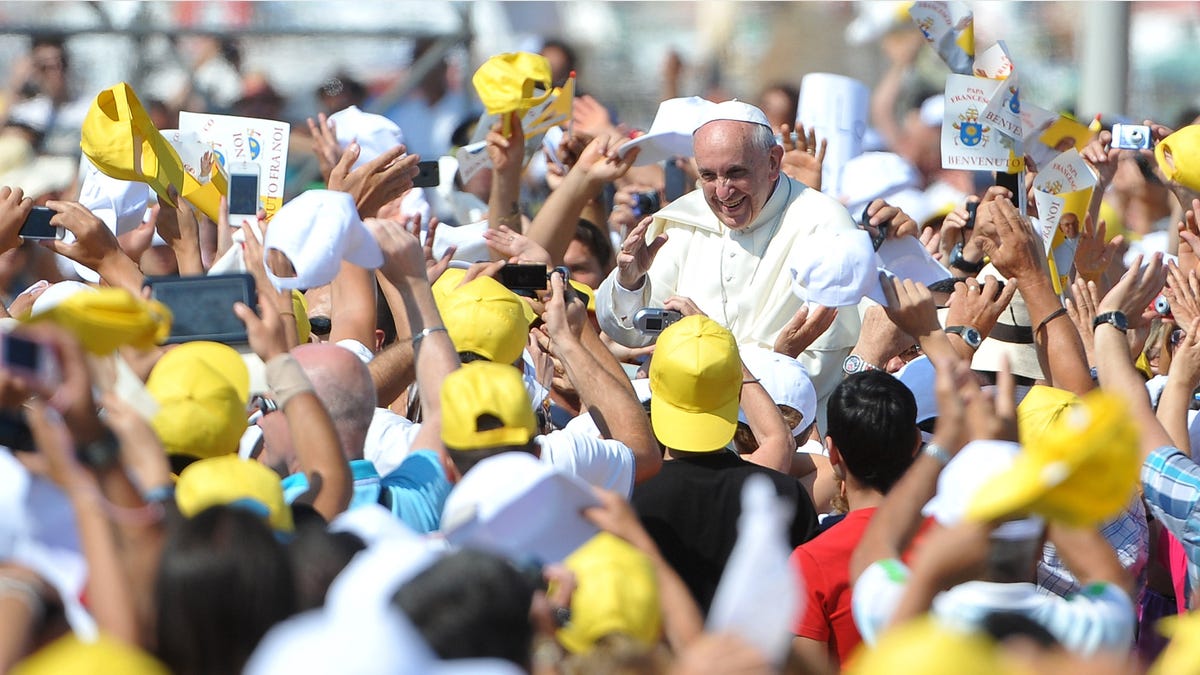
{"x":807,"y":205}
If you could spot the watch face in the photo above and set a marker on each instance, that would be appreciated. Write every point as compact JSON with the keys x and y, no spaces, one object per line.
{"x":972,"y":337}
{"x":1120,"y":321}
{"x":852,"y":364}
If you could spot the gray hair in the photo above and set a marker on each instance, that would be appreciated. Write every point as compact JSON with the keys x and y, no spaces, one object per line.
{"x":762,"y":139}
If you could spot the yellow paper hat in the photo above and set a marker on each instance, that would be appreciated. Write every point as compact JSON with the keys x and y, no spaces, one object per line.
{"x":119,"y":138}
{"x":1081,"y":471}
{"x":926,"y":646}
{"x":104,"y":656}
{"x":110,"y":318}
{"x":1179,"y":157}
{"x":616,"y":592}
{"x":1182,"y":655}
{"x":508,"y":82}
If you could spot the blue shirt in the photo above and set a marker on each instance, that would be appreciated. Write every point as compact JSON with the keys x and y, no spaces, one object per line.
{"x":1171,"y":487}
{"x":414,"y":492}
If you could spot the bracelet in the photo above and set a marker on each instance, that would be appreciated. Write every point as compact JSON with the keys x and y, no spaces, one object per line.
{"x":416,"y":339}
{"x":754,"y":381}
{"x":937,"y":452}
{"x":26,"y":593}
{"x":1061,"y":311}
{"x":162,"y":493}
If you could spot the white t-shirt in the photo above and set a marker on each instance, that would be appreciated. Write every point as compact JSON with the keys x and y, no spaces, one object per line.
{"x":389,"y":440}
{"x":602,"y":463}
{"x":1100,"y":617}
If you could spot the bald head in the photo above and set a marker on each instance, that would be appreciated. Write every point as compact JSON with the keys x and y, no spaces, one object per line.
{"x":343,"y":384}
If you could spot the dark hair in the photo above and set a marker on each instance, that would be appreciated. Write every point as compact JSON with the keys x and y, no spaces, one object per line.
{"x":1002,"y":626}
{"x":318,"y":556}
{"x":384,"y":320}
{"x":568,"y":51}
{"x":791,"y":92}
{"x":471,"y":605}
{"x":596,"y":241}
{"x":872,"y":418}
{"x":59,"y":42}
{"x":223,"y":581}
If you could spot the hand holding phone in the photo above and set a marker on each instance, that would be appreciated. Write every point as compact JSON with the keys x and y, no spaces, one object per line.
{"x":30,"y":360}
{"x":524,"y":279}
{"x":37,"y":225}
{"x":243,"y":192}
{"x":429,"y":174}
{"x":203,"y":306}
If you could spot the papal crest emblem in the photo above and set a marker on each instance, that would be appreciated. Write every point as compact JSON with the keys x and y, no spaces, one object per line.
{"x":970,"y":132}
{"x":1014,"y":100}
{"x":926,"y":25}
{"x":1054,"y":187}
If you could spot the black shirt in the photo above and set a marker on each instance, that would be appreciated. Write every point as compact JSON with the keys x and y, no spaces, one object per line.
{"x":691,"y":510}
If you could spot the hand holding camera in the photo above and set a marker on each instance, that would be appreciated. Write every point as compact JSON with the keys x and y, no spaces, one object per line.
{"x":15,"y":209}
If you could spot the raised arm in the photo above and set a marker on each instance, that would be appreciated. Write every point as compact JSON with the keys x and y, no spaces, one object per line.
{"x":95,"y":246}
{"x":611,"y":403}
{"x":404,"y":266}
{"x":318,"y":450}
{"x":599,"y":164}
{"x":508,"y":161}
{"x":1009,"y":240}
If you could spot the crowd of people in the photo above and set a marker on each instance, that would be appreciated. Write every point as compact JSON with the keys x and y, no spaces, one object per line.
{"x":619,"y":405}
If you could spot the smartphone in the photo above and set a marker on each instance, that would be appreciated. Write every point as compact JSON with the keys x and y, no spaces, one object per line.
{"x":29,"y":360}
{"x":428,"y":174}
{"x":524,"y":277}
{"x":203,"y":306}
{"x":654,"y":320}
{"x":37,"y":225}
{"x":243,"y":192}
{"x":972,"y":208}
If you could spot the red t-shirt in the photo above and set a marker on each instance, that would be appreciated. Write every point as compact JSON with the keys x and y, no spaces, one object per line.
{"x":823,"y":566}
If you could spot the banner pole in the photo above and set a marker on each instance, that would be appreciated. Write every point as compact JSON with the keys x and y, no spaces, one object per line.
{"x":1022,"y":193}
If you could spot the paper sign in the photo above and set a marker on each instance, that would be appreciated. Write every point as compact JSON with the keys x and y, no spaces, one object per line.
{"x":994,"y":63}
{"x":968,"y":141}
{"x":1003,"y":111}
{"x":472,"y":159}
{"x":1065,"y":133}
{"x":1068,"y":176}
{"x":262,"y":144}
{"x":949,"y":28}
{"x":906,"y":258}
{"x":1050,"y":213}
{"x":835,"y":108}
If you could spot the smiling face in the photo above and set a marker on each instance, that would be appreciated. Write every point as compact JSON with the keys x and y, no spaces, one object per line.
{"x":737,"y":173}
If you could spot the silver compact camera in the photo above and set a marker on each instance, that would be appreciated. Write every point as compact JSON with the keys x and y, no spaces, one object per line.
{"x":1132,"y":137}
{"x":653,"y":320}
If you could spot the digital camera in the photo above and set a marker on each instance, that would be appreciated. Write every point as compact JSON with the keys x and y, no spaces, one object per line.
{"x":1132,"y":137}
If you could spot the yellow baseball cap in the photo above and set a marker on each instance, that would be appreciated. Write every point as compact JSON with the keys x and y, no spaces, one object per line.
{"x":484,"y":317}
{"x":486,"y":388}
{"x":507,"y":82}
{"x":1081,"y":470}
{"x":927,"y":646}
{"x":695,"y":385}
{"x":232,"y":481}
{"x":1176,"y":155}
{"x":110,"y":318}
{"x":616,"y":592}
{"x":585,"y":292}
{"x":202,"y":389}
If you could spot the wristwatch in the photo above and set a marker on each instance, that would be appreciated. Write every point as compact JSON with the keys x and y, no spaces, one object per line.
{"x":856,"y":364}
{"x":1115,"y":319}
{"x":958,"y":262}
{"x":937,"y":452}
{"x":969,"y":335}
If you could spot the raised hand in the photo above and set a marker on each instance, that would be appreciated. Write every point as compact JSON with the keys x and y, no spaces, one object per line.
{"x":635,"y":256}
{"x":266,"y":332}
{"x":1103,"y":157}
{"x":14,"y":209}
{"x":1189,"y":238}
{"x":803,"y":157}
{"x":1012,"y":245}
{"x":1081,"y":307}
{"x":325,"y":144}
{"x":805,"y":326}
{"x":94,"y":242}
{"x":885,"y":221}
{"x":1093,"y":256}
{"x":516,"y":247}
{"x":507,"y":152}
{"x":403,"y":254}
{"x":979,"y":306}
{"x":602,"y":163}
{"x":565,"y":315}
{"x":1183,"y":292}
{"x":910,"y":306}
{"x":1135,"y":291}
{"x":377,"y":182}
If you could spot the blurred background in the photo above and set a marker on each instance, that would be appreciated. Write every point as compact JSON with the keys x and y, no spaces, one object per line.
{"x":289,"y":60}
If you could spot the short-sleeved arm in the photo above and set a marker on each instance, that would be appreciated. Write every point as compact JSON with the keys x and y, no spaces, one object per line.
{"x":416,"y":491}
{"x":602,"y":463}
{"x":1171,"y":488}
{"x":876,"y":595}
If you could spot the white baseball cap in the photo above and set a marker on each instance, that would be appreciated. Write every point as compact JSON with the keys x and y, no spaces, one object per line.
{"x":375,"y":134}
{"x":317,"y":231}
{"x":785,"y":379}
{"x":670,"y":134}
{"x":837,"y":269}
